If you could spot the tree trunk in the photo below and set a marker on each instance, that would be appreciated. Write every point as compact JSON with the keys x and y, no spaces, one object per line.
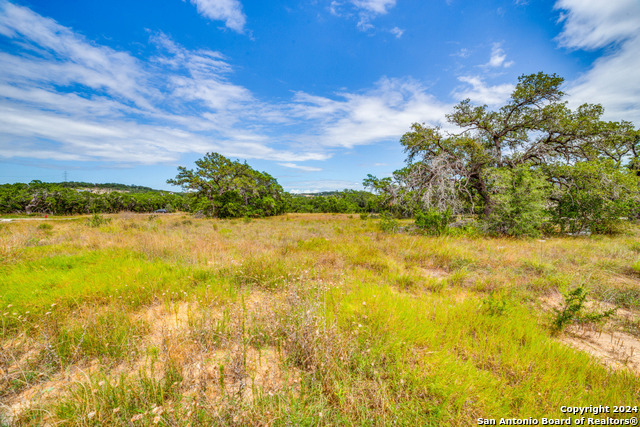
{"x":481,"y":187}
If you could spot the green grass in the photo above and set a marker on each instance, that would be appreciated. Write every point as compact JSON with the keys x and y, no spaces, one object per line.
{"x":466,"y":362}
{"x":298,"y":320}
{"x":101,"y":276}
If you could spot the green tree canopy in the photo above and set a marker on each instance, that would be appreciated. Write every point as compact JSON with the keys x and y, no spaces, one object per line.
{"x":225,"y":188}
{"x":535,"y":129}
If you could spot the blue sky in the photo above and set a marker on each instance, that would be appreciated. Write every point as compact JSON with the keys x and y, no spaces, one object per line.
{"x":315,"y":92}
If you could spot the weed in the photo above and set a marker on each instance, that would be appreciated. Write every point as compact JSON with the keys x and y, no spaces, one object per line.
{"x":636,"y":267}
{"x":388,"y":223}
{"x":102,"y":401}
{"x":112,"y":335}
{"x":97,"y":220}
{"x":573,"y":311}
{"x":45,"y":226}
{"x":496,"y":304}
{"x":405,"y":281}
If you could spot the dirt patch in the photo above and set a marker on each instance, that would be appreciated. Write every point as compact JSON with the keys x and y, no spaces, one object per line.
{"x":435,"y":273}
{"x":615,"y":349}
{"x":57,"y":385}
{"x":241,"y":372}
{"x":165,"y":320}
{"x":230,"y":368}
{"x":612,"y":347}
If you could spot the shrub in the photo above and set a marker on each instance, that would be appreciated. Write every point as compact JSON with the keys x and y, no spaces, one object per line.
{"x":97,"y":220}
{"x":433,"y":221}
{"x":388,"y":223}
{"x":519,"y":202}
{"x":574,"y":312}
{"x":593,"y":196}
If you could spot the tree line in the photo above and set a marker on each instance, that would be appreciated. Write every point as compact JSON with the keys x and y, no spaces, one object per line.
{"x":76,"y":198}
{"x":529,"y":167}
{"x":72,"y":198}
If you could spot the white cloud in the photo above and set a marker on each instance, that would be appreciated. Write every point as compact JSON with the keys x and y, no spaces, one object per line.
{"x":398,"y":32}
{"x":365,"y":11}
{"x":478,"y":91}
{"x":462,"y":53}
{"x":383,"y":113}
{"x":592,"y":24}
{"x":378,"y":7}
{"x":300,"y":167}
{"x":63,"y":97}
{"x":100,"y":68}
{"x":613,"y":80}
{"x":229,"y":11}
{"x":498,"y":57}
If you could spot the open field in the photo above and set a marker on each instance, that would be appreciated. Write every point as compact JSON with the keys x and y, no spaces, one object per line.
{"x":305,"y":320}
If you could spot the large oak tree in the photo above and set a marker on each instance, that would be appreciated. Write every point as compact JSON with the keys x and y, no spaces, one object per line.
{"x":534,"y":129}
{"x":225,"y":188}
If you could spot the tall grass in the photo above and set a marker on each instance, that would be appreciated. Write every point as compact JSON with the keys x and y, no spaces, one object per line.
{"x":296,"y":320}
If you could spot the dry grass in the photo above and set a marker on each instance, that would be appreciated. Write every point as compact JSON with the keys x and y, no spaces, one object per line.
{"x":303,"y":320}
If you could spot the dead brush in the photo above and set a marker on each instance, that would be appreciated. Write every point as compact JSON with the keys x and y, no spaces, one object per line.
{"x":309,"y":340}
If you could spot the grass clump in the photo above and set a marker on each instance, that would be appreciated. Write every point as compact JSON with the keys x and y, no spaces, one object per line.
{"x":97,"y":220}
{"x":388,"y":223}
{"x":129,"y":400}
{"x":111,"y":335}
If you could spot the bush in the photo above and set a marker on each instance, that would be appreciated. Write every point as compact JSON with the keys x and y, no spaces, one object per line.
{"x":433,"y":221}
{"x":97,"y":220}
{"x":593,"y":196}
{"x":388,"y":223}
{"x":573,"y":311}
{"x":519,"y":197}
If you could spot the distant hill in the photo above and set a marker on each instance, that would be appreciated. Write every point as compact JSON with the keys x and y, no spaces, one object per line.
{"x":107,"y":187}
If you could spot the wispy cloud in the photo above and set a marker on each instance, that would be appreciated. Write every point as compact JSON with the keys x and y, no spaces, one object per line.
{"x":63,"y":97}
{"x":365,"y":11}
{"x":479,"y":92}
{"x":592,"y":24}
{"x":498,"y":57}
{"x":398,"y":32}
{"x":384,"y":112}
{"x":300,"y":167}
{"x":462,"y":53}
{"x":229,"y":11}
{"x":378,"y":7}
{"x":613,"y":80}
